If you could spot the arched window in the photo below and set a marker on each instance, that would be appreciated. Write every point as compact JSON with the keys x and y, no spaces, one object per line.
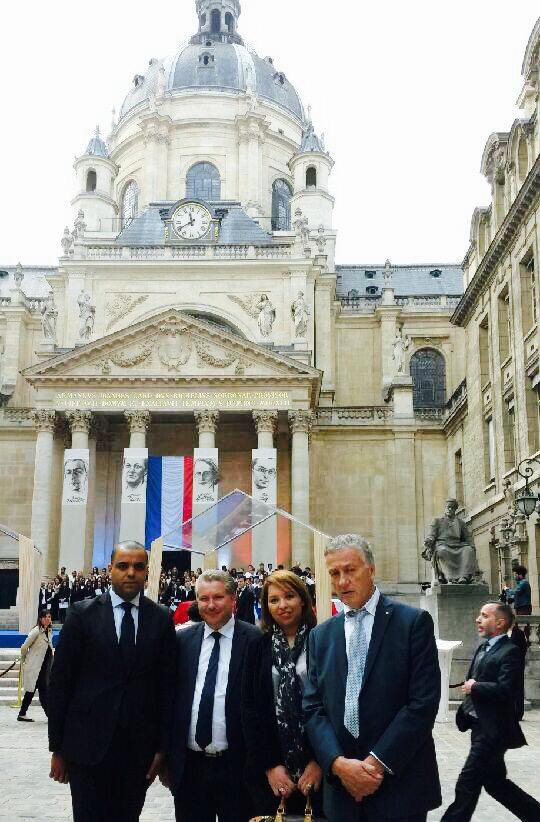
{"x":203,"y":182}
{"x":523,"y":160}
{"x":130,"y":203}
{"x":311,"y":177}
{"x":216,"y":21}
{"x":281,"y":206}
{"x":229,"y":22}
{"x":91,"y":180}
{"x":428,"y":372}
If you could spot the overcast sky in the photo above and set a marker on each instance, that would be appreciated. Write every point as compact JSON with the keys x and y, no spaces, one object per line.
{"x":406,"y":92}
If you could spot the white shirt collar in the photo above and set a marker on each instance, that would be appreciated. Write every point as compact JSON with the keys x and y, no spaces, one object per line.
{"x":371,"y":604}
{"x":227,"y":630}
{"x":117,"y":600}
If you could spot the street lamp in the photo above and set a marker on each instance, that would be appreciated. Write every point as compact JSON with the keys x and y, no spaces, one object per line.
{"x":526,"y":501}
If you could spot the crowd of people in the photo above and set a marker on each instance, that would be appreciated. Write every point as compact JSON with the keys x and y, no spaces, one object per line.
{"x":238,"y":719}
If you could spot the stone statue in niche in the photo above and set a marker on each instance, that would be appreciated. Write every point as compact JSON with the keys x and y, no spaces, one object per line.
{"x":49,"y":318}
{"x":450,"y":548}
{"x":300,"y":313}
{"x":401,"y":345}
{"x":87,"y":314}
{"x":267,"y":316}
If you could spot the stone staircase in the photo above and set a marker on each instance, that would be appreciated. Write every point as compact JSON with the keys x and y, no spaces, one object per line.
{"x":9,"y":683}
{"x":9,"y":619}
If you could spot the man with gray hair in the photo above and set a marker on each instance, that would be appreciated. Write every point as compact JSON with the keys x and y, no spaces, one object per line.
{"x":372,"y":697}
{"x":207,"y":753}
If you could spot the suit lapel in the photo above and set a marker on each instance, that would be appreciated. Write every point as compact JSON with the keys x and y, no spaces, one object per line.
{"x":142,"y":627}
{"x":237,"y":655}
{"x":193,"y":652}
{"x":340,"y":665}
{"x":383,"y":614}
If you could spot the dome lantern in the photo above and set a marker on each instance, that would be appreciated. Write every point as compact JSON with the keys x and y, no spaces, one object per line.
{"x":218,"y":21}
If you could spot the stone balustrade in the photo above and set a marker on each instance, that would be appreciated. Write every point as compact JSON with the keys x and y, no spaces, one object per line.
{"x":186,"y":252}
{"x":363,"y":305}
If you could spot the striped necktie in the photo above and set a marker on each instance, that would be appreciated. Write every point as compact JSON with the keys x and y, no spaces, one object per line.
{"x":357,"y":656}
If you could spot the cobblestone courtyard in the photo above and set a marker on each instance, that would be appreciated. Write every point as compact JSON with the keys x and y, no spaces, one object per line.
{"x":28,"y":794}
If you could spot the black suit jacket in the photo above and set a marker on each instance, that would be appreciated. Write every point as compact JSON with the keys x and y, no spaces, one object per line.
{"x":189,"y":642}
{"x":263,"y":746}
{"x":494,"y":695}
{"x":89,"y":681}
{"x":398,"y":704}
{"x":245,"y":604}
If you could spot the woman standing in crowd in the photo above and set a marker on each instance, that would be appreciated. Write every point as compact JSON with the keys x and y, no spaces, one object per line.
{"x":63,"y":600}
{"x":37,"y":656}
{"x":279,"y":756}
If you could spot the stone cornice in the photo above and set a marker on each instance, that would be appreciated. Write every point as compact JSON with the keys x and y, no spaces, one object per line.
{"x":502,"y":241}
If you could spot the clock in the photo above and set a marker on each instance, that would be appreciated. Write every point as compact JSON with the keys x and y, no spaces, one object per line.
{"x":191,"y":221}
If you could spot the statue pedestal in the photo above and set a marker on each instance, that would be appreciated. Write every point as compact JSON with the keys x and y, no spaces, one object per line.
{"x":454,"y":609}
{"x":402,"y":392}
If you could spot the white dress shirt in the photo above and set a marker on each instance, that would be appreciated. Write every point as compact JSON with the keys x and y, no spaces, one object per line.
{"x":118,"y":611}
{"x":219,"y":725}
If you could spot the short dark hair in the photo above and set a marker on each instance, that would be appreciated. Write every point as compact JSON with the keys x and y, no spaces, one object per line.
{"x":521,"y":570}
{"x":505,"y":612}
{"x":128,"y":545}
{"x":193,"y":612}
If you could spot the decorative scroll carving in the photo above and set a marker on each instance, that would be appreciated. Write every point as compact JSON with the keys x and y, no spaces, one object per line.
{"x":206,"y":421}
{"x":121,"y":306}
{"x":129,"y":360}
{"x":301,"y":422}
{"x":138,"y":421}
{"x":79,"y":421}
{"x":248,"y":303}
{"x":206,"y":356}
{"x":44,"y":420}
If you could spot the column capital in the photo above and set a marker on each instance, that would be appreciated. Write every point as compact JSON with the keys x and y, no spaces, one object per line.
{"x":44,"y":420}
{"x":301,"y":422}
{"x":265,"y":421}
{"x":79,"y":421}
{"x":206,"y":421}
{"x":138,"y":421}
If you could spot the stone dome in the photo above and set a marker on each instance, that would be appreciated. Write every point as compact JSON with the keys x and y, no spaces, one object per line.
{"x":216,"y":61}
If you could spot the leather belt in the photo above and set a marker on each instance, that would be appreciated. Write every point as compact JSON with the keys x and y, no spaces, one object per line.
{"x":209,"y":754}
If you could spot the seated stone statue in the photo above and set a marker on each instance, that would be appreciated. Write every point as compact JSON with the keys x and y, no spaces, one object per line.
{"x":449,"y":546}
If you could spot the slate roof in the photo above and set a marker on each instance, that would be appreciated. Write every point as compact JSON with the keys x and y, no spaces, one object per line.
{"x":236,"y":227}
{"x":407,"y":280}
{"x":34,"y":283}
{"x":96,"y":147}
{"x":311,"y":142}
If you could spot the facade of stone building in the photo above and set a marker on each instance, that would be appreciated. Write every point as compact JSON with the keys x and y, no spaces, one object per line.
{"x":197,"y":303}
{"x":493,"y":424}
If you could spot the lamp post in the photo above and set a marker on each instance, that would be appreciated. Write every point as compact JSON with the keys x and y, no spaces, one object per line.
{"x":526,"y":501}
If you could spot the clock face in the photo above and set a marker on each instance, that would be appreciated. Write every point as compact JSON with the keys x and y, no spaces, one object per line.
{"x":191,"y":221}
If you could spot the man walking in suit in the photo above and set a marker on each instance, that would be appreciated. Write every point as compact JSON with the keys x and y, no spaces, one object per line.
{"x":245,"y":602}
{"x":111,"y":695}
{"x":206,"y":760}
{"x":489,"y":710}
{"x":372,"y":697}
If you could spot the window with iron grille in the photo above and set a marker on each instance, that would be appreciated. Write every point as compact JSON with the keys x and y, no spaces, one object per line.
{"x":203,"y":182}
{"x":428,"y":372}
{"x":281,"y":205}
{"x":130,"y":203}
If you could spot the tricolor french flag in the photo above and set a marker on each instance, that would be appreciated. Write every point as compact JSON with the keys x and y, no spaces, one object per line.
{"x":169,"y":495}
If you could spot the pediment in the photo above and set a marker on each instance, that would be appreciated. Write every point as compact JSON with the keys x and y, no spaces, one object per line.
{"x":169,"y":346}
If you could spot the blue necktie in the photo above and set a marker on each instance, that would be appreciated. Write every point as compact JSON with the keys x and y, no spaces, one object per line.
{"x":203,"y":731}
{"x":357,"y":655}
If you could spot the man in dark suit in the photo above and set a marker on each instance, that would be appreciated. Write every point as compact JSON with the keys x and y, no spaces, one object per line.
{"x":372,"y":697}
{"x":111,"y":695}
{"x":245,"y":602}
{"x":489,"y":710}
{"x":205,"y":768}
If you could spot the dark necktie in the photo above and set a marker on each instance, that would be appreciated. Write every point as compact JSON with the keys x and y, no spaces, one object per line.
{"x":203,"y":731}
{"x":127,"y":634}
{"x":468,"y":704}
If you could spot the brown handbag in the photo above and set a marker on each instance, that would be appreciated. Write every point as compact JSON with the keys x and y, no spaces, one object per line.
{"x":282,"y":816}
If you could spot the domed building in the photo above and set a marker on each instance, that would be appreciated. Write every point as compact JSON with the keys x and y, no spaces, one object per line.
{"x":197,"y":305}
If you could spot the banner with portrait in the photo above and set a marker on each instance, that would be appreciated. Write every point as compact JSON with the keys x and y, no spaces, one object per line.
{"x":264,"y":489}
{"x":205,"y":477}
{"x":76,"y":468}
{"x":134,"y":476}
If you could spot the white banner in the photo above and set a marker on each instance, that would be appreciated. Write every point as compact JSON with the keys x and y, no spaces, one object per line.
{"x":264,"y":475}
{"x":76,"y":467}
{"x":134,"y":476}
{"x":205,"y":477}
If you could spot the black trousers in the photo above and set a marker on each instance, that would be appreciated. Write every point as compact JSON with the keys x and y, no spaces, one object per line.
{"x":265,"y":803}
{"x":209,"y":789}
{"x":367,"y":817}
{"x":42,"y":686}
{"x":485,"y":768}
{"x":115,"y":789}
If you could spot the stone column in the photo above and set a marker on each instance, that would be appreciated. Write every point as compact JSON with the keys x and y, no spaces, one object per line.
{"x":133,"y":503}
{"x":206,"y":422}
{"x":265,"y":424}
{"x":387,"y":315}
{"x":73,"y":534}
{"x":44,"y":422}
{"x":300,"y":423}
{"x":139,"y":423}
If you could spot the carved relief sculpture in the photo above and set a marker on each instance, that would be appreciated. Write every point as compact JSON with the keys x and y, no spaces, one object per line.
{"x":300,"y":313}
{"x":401,"y":345}
{"x":121,"y":306}
{"x":301,"y":227}
{"x":49,"y":317}
{"x":18,"y":275}
{"x":67,"y":242}
{"x":267,"y":316}
{"x":87,"y":314}
{"x":174,"y":350}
